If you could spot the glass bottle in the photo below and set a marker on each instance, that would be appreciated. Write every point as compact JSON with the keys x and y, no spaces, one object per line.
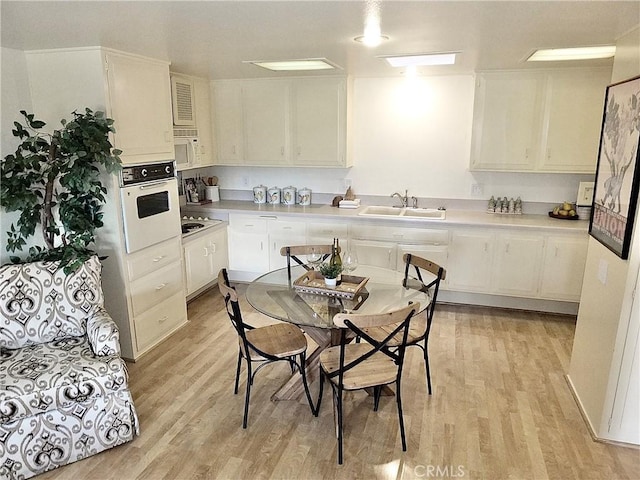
{"x":336,"y":260}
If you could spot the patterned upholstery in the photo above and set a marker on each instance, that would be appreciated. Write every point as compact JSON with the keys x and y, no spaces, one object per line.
{"x":63,"y":386}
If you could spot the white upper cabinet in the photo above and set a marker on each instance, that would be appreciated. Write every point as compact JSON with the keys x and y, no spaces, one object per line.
{"x":266,"y":122}
{"x":140,"y":98}
{"x":227,"y":121}
{"x":507,"y":120}
{"x":281,"y":122}
{"x":135,"y":91}
{"x":573,"y":120}
{"x":202,"y":98}
{"x":538,"y":121}
{"x":319,"y":131}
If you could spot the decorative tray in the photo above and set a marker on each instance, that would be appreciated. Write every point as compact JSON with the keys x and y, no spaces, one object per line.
{"x":563,"y":217}
{"x":313,"y":282}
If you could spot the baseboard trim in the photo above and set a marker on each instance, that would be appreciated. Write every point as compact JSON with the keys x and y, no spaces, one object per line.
{"x":588,"y":423}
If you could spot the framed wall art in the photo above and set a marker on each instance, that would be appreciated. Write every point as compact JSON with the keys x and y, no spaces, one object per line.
{"x":618,"y":174}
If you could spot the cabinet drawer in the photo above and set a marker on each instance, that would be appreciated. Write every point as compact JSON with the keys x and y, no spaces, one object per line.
{"x":153,"y":258}
{"x":286,"y":228}
{"x":248,"y":223}
{"x":157,"y":286}
{"x":327,"y":230}
{"x":159,"y":320}
{"x":401,"y":234}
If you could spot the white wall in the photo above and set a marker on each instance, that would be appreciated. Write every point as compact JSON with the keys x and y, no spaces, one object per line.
{"x":601,"y":361}
{"x":14,"y":87}
{"x":411,"y":134}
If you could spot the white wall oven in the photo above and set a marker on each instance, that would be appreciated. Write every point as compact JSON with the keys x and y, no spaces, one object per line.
{"x":150,"y":208}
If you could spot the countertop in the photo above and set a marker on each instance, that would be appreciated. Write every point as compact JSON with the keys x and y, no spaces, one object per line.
{"x":223,"y":208}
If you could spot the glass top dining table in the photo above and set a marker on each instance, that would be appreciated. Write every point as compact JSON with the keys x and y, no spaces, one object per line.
{"x":275,"y":295}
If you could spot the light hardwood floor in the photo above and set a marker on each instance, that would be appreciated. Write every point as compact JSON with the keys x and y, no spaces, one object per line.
{"x":500,"y":409}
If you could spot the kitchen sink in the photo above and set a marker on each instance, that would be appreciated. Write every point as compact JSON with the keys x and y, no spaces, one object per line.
{"x":382,"y":211}
{"x":405,"y":213}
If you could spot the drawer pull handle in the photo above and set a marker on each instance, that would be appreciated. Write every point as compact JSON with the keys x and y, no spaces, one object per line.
{"x":157,"y":259}
{"x":163,"y":319}
{"x":161,"y":286}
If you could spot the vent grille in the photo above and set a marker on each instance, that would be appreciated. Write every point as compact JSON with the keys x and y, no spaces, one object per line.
{"x":184,"y":104}
{"x":185,"y":132}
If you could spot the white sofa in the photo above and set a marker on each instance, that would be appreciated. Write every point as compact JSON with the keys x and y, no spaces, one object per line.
{"x":64,"y":391}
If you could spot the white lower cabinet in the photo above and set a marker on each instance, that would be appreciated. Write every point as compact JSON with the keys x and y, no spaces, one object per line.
{"x":470,"y":258}
{"x":255,"y":242}
{"x":205,"y":254}
{"x":375,"y":252}
{"x":156,"y":289}
{"x":516,"y":266}
{"x":513,"y":263}
{"x":563,"y":267}
{"x":508,"y":262}
{"x":436,"y":253}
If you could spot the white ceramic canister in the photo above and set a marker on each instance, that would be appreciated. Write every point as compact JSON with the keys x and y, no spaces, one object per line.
{"x":289,"y":195}
{"x":260,"y":194}
{"x":273,"y":196}
{"x":304,"y":197}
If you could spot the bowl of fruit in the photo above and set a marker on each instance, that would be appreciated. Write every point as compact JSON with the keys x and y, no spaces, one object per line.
{"x":565,"y":211}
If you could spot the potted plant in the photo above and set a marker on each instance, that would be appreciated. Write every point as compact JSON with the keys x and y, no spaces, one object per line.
{"x":53,"y":180}
{"x":330,"y":273}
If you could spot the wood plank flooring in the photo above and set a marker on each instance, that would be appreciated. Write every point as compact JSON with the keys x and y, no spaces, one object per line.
{"x":500,"y":409}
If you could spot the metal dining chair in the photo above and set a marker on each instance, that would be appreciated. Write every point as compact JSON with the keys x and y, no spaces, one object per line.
{"x":264,"y":345}
{"x":371,"y":364}
{"x":421,"y":326}
{"x":295,"y":251}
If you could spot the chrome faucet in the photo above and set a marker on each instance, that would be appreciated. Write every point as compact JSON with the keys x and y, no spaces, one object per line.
{"x":404,"y":200}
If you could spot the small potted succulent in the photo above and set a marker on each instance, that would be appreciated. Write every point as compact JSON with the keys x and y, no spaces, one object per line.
{"x":330,"y":273}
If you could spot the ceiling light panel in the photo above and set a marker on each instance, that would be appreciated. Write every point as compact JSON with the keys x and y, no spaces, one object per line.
{"x":577,"y":53}
{"x":424,"y":59}
{"x":295,"y":65}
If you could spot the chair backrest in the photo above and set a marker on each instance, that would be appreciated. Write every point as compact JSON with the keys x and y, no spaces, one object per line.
{"x":397,"y":326}
{"x":434,"y":285}
{"x":292,"y":253}
{"x":231,"y":302}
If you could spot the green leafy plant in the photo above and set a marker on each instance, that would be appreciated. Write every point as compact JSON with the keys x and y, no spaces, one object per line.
{"x":53,"y":180}
{"x":327,"y":270}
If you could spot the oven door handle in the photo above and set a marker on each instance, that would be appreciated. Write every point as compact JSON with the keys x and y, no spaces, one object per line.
{"x":152,"y":185}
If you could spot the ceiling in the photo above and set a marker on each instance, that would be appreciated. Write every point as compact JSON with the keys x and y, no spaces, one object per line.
{"x":212,"y":38}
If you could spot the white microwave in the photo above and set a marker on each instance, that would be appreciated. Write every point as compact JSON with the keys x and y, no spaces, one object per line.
{"x":187,"y":152}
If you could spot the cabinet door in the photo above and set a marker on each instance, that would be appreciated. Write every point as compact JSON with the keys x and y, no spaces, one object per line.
{"x":517,"y":264}
{"x":563,"y":267}
{"x":198,"y":264}
{"x":507,"y":117}
{"x":140,"y":98}
{"x":284,"y":233}
{"x":435,"y":253}
{"x":378,"y":254}
{"x":203,"y":259}
{"x":266,"y":114}
{"x":227,"y":115}
{"x":319,"y":107}
{"x":574,"y":120}
{"x":203,"y":120}
{"x":469,"y":262}
{"x":248,"y":252}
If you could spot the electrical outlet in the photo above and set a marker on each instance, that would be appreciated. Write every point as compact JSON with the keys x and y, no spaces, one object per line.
{"x":477,"y":189}
{"x":245,"y":181}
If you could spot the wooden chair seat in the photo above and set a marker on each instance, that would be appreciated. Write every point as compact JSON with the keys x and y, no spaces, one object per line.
{"x":379,"y":369}
{"x":416,"y":333}
{"x":280,"y":340}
